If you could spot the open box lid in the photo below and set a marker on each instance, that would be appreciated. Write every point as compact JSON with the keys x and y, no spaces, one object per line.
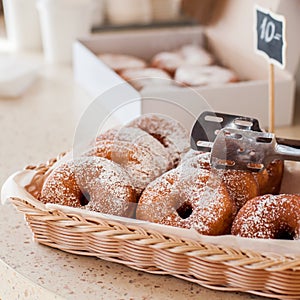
{"x":231,"y":37}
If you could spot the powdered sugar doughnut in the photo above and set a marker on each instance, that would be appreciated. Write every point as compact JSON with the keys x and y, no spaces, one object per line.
{"x":241,"y":185}
{"x":188,"y":197}
{"x":140,"y":78}
{"x":196,"y":158}
{"x":169,"y":132}
{"x":167,"y":61}
{"x":93,"y":183}
{"x":262,"y":179}
{"x":141,"y":138}
{"x":269,"y":179}
{"x":195,"y":55}
{"x":119,"y":62}
{"x":206,"y":75}
{"x":275,"y":172}
{"x":269,"y":217}
{"x":138,"y":162}
{"x":194,"y":153}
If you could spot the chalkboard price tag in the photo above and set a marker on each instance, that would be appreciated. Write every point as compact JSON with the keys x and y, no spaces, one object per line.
{"x":270,"y":36}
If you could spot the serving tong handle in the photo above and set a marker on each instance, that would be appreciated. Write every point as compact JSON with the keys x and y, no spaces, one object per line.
{"x":248,"y":150}
{"x":209,"y":123}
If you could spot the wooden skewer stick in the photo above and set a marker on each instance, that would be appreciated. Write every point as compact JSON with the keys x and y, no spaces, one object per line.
{"x":271,"y":99}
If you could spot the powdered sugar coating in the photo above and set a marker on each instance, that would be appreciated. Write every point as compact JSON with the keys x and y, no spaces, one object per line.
{"x":192,"y":75}
{"x":141,"y":138}
{"x":202,"y":159}
{"x":138,"y":162}
{"x":195,"y":55}
{"x":140,"y":78}
{"x":167,"y":131}
{"x":188,"y":197}
{"x":241,"y":185}
{"x":168,"y":61}
{"x":101,"y":184}
{"x":61,"y":186}
{"x":275,"y":171}
{"x":186,"y":55}
{"x":120,"y":62}
{"x":268,"y":217}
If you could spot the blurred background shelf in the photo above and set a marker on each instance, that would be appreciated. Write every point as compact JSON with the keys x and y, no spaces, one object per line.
{"x":154,"y":25}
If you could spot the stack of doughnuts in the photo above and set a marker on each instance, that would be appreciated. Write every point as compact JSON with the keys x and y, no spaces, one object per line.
{"x":110,"y":176}
{"x":188,"y":65}
{"x":146,"y":170}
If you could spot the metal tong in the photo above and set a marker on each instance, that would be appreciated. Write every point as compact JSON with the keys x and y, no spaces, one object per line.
{"x":237,"y":142}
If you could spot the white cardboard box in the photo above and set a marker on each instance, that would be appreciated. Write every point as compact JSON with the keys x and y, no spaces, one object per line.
{"x":249,"y":97}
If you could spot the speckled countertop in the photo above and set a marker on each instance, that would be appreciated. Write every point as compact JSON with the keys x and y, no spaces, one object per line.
{"x":36,"y":127}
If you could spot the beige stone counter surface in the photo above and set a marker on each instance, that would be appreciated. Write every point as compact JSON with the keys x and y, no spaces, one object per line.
{"x":34,"y":128}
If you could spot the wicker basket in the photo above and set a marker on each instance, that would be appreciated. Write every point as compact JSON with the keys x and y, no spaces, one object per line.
{"x":216,"y":267}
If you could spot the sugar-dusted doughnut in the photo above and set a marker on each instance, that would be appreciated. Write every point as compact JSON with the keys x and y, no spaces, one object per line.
{"x":139,"y":137}
{"x":93,"y":183}
{"x":167,"y":61}
{"x":191,"y":75}
{"x":119,"y":62}
{"x":196,"y":158}
{"x":242,"y":186}
{"x":275,"y":172}
{"x":139,"y":163}
{"x":269,"y":179}
{"x":195,"y":55}
{"x":169,"y":132}
{"x":269,"y":217}
{"x":188,"y":197}
{"x":189,"y":54}
{"x":195,"y":153}
{"x":140,"y":78}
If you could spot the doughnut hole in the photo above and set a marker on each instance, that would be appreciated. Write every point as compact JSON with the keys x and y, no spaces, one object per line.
{"x":160,"y":138}
{"x":163,"y":140}
{"x":185,"y":210}
{"x":285,"y":233}
{"x":169,"y":132}
{"x":84,"y":198}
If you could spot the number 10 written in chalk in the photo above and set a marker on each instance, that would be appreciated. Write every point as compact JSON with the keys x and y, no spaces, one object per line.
{"x":270,"y":36}
{"x":267,"y":31}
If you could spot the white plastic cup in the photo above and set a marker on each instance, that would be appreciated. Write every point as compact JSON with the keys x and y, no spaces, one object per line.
{"x":124,"y":12}
{"x":22,"y":25}
{"x":62,"y":21}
